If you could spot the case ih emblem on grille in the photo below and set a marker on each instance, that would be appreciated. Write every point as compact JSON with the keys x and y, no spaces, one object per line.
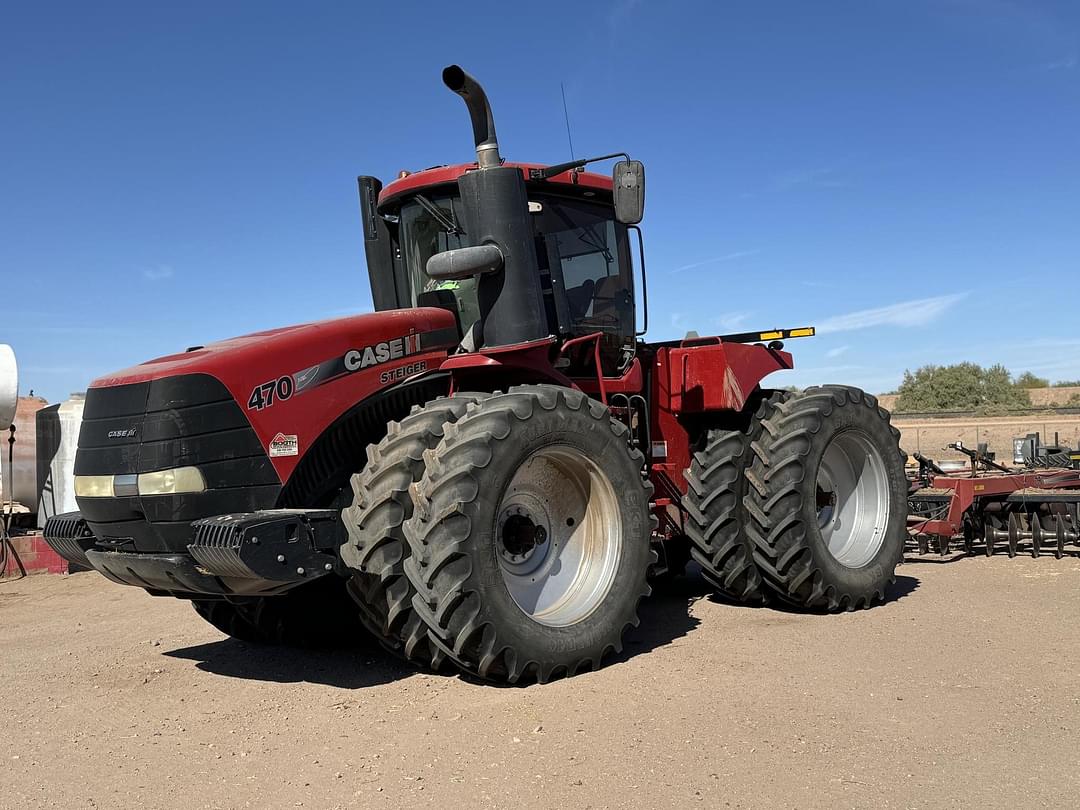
{"x":284,"y":445}
{"x":122,"y":434}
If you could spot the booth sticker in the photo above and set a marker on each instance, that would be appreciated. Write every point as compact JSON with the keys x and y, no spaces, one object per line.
{"x":284,"y":445}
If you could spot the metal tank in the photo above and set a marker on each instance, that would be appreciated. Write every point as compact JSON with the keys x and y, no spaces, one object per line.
{"x":9,"y":386}
{"x":20,"y":467}
{"x":57,"y":440}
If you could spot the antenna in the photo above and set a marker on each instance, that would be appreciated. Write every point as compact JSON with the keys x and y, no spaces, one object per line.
{"x":566,"y":115}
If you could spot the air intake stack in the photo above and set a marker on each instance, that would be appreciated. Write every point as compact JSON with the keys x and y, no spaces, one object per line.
{"x":496,"y":213}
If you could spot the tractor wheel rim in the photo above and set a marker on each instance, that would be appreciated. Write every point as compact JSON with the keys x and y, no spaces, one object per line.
{"x":852,"y":499}
{"x":559,"y":536}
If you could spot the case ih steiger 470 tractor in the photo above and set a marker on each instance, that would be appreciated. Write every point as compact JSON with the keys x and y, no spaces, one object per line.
{"x":492,"y":464}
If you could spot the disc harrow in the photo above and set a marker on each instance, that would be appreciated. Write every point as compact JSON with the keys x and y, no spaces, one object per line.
{"x":1034,"y":511}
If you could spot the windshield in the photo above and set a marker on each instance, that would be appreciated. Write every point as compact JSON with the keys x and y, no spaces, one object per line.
{"x":423,"y":234}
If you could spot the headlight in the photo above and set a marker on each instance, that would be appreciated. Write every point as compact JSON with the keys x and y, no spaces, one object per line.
{"x":94,"y":486}
{"x":164,"y":482}
{"x":172,"y":482}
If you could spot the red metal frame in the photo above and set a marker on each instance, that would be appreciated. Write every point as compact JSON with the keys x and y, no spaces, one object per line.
{"x":595,"y":337}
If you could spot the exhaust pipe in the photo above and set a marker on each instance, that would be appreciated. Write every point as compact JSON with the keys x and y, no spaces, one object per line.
{"x":483,"y":124}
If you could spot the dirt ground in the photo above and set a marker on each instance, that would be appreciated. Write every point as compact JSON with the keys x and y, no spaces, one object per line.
{"x":962,"y":691}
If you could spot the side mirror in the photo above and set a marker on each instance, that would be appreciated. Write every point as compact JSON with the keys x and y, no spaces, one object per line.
{"x":628,"y":188}
{"x":464,"y":262}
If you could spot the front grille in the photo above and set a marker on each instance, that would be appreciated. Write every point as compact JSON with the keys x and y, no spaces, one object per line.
{"x":187,"y":420}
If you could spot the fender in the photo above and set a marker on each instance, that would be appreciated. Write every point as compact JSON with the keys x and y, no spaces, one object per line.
{"x":718,"y":376}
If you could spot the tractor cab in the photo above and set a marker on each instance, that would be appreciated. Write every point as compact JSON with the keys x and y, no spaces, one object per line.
{"x":583,"y":256}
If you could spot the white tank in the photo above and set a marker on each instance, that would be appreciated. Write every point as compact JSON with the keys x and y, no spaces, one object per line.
{"x":57,"y":439}
{"x":9,"y":386}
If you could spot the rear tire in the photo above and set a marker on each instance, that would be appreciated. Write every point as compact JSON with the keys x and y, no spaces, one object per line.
{"x":530,"y":536}
{"x":376,"y":548}
{"x":827,"y":499}
{"x":716,"y":486}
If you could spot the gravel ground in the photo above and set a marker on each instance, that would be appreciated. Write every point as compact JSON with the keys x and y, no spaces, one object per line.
{"x":962,"y":691}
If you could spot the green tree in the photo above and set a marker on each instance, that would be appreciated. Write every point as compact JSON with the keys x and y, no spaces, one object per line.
{"x":1029,"y":380}
{"x":1067,"y":384}
{"x":960,"y":387}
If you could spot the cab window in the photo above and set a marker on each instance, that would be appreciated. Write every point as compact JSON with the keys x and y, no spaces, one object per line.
{"x":424,"y":232}
{"x":580,"y":245}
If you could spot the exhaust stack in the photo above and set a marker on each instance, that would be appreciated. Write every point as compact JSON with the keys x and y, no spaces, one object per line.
{"x":495,"y":215}
{"x":483,"y":123}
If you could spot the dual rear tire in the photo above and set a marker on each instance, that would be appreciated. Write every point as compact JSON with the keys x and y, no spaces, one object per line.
{"x":804,"y":505}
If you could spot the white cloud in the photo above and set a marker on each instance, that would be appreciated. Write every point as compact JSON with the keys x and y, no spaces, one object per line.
{"x":159,"y":273}
{"x":731,"y":321}
{"x":1068,"y":63}
{"x":727,"y":257}
{"x":903,"y":313}
{"x":825,"y":177}
{"x":836,"y":351}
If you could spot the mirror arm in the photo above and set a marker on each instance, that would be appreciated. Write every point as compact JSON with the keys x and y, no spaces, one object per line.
{"x":550,"y":171}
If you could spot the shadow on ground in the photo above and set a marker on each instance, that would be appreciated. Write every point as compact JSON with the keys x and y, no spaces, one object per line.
{"x":348,"y":668}
{"x":665,"y":617}
{"x":900,"y":589}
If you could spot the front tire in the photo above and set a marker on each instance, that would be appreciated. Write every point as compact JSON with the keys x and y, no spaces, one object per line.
{"x":827,"y":499}
{"x":530,"y":536}
{"x":376,"y":548}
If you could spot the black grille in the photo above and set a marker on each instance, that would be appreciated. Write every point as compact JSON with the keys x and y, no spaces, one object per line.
{"x":69,"y":537}
{"x":216,"y":546}
{"x":187,"y":420}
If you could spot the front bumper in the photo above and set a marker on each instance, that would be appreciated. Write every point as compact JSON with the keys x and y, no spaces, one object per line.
{"x":263,"y":552}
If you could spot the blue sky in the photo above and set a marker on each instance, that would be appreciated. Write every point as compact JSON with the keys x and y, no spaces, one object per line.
{"x":896,"y":173}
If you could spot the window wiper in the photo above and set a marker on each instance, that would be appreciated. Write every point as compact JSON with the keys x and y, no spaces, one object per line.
{"x":447,"y":223}
{"x":595,"y":241}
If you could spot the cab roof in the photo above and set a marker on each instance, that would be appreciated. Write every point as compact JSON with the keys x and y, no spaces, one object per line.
{"x":441,"y":175}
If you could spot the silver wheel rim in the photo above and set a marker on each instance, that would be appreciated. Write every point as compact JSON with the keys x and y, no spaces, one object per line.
{"x":852,"y":499}
{"x":559,"y":536}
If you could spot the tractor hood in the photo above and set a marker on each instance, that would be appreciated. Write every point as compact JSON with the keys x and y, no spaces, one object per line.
{"x":302,"y":345}
{"x":289,"y":385}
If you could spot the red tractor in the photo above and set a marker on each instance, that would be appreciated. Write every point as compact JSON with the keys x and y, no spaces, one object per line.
{"x":493,"y":463}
